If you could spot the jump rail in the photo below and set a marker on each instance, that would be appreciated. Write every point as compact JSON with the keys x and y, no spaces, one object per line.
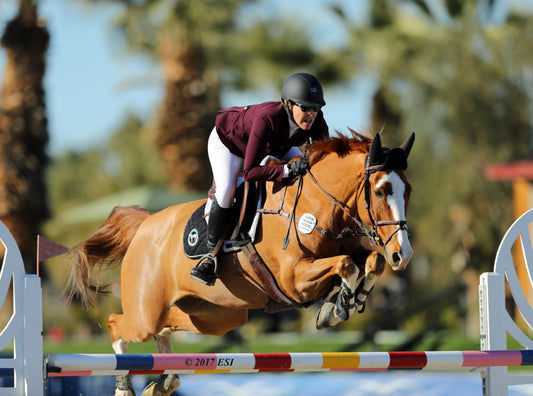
{"x":63,"y":365}
{"x":28,"y":368}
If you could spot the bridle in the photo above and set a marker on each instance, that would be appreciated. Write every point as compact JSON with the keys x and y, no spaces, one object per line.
{"x":362,"y":229}
{"x":401,"y":224}
{"x":347,"y":233}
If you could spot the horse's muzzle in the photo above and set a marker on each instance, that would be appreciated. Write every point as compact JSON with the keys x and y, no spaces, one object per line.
{"x":399,"y":259}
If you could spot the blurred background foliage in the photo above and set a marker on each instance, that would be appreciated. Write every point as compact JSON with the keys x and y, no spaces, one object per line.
{"x":456,"y":74}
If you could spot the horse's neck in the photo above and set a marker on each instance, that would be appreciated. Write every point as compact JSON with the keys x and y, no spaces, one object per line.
{"x":338,"y":177}
{"x":336,"y":180}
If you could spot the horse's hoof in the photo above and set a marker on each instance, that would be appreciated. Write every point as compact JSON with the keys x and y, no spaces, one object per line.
{"x":154,"y":390}
{"x":360,"y":307}
{"x":323,"y":315}
{"x":151,"y":390}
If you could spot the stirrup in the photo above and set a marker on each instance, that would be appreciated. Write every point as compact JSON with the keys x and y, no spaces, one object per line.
{"x":206,"y":279}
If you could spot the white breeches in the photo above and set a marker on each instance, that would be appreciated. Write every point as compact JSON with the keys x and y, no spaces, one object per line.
{"x":225,"y":167}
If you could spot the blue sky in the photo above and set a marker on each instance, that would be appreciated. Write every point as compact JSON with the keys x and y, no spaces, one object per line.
{"x":84,"y":75}
{"x":89,"y":80}
{"x":89,"y":85}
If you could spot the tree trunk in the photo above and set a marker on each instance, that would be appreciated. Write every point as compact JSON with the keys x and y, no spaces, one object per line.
{"x":187,"y":115}
{"x":383,"y":116}
{"x":24,"y":131}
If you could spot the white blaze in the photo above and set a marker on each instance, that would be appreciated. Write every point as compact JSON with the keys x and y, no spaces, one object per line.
{"x":396,"y":204}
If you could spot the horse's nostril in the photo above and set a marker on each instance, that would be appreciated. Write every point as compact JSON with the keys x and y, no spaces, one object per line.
{"x":396,"y":258}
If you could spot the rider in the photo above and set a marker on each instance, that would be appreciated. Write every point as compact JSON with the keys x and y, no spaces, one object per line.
{"x":243,"y":136}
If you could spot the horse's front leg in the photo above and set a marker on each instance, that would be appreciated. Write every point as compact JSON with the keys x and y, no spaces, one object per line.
{"x":313,"y":279}
{"x":374,"y":266}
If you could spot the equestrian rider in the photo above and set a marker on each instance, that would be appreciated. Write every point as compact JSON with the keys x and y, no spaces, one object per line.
{"x":243,"y":136}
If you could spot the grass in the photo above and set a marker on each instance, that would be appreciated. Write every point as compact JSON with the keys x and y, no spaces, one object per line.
{"x":329,"y":341}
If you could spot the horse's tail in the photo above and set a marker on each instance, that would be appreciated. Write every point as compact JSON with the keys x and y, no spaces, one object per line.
{"x":104,"y":249}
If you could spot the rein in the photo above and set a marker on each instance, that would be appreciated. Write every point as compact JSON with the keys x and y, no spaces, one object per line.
{"x":369,"y":231}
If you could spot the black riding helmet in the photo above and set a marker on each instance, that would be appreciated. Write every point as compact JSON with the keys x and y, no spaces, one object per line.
{"x":303,"y":89}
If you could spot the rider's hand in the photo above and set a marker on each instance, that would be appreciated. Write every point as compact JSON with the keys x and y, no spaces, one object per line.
{"x":299,"y":166}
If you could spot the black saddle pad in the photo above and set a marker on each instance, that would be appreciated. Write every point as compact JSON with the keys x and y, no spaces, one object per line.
{"x":195,"y":235}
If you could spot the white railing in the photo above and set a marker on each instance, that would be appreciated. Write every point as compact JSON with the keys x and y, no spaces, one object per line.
{"x":24,"y":328}
{"x":495,"y":321}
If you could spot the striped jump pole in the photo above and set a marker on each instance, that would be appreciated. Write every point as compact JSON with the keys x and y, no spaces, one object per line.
{"x":63,"y":365}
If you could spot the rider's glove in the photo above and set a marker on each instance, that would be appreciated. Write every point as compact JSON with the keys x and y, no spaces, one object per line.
{"x":299,"y":166}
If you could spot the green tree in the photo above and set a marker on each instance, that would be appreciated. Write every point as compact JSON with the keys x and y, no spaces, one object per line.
{"x":129,"y":159}
{"x":24,"y":130}
{"x":460,"y":80}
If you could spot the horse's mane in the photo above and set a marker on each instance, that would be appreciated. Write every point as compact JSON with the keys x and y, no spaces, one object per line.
{"x":341,"y":145}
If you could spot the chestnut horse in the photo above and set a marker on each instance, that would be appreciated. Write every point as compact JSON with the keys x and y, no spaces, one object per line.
{"x":352,"y":202}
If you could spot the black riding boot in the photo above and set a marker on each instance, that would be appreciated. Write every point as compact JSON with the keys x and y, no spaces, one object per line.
{"x":205,"y":269}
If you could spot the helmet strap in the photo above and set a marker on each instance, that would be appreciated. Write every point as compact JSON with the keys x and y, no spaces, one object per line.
{"x":289,"y":112}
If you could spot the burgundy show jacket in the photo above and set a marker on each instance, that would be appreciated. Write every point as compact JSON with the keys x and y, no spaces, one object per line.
{"x":255,"y":131}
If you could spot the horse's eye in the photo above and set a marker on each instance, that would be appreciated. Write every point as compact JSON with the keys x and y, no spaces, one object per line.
{"x":379,"y":194}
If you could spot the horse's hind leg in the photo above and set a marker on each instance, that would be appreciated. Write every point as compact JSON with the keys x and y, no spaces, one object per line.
{"x":123,"y":382}
{"x":124,"y":331}
{"x":167,"y":383}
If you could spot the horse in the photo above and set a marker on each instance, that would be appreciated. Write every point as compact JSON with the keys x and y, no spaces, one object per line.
{"x":344,"y":220}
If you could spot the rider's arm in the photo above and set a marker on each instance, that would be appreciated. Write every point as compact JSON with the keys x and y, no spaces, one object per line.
{"x":293,"y":152}
{"x":256,"y":150}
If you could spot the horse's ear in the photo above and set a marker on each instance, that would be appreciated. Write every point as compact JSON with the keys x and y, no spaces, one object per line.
{"x":375,"y":149}
{"x":406,"y":146}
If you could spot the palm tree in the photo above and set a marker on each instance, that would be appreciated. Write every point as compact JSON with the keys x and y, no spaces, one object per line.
{"x":181,"y":38}
{"x":201,"y":49}
{"x":23,"y":130}
{"x":186,"y":115}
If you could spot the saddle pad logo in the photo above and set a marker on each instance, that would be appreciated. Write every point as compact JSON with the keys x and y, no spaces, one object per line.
{"x":193,"y":238}
{"x":307,"y":223}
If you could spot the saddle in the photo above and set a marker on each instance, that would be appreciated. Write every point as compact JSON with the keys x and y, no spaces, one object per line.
{"x":242,"y":227}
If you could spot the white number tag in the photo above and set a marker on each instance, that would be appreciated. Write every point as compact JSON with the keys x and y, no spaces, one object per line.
{"x":307,"y":223}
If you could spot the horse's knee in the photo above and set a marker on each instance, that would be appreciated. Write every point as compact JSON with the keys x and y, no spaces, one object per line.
{"x":375,"y":264}
{"x":347,"y":267}
{"x":128,"y":330}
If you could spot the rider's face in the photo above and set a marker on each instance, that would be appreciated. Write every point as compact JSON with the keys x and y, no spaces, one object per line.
{"x":304,"y":119}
